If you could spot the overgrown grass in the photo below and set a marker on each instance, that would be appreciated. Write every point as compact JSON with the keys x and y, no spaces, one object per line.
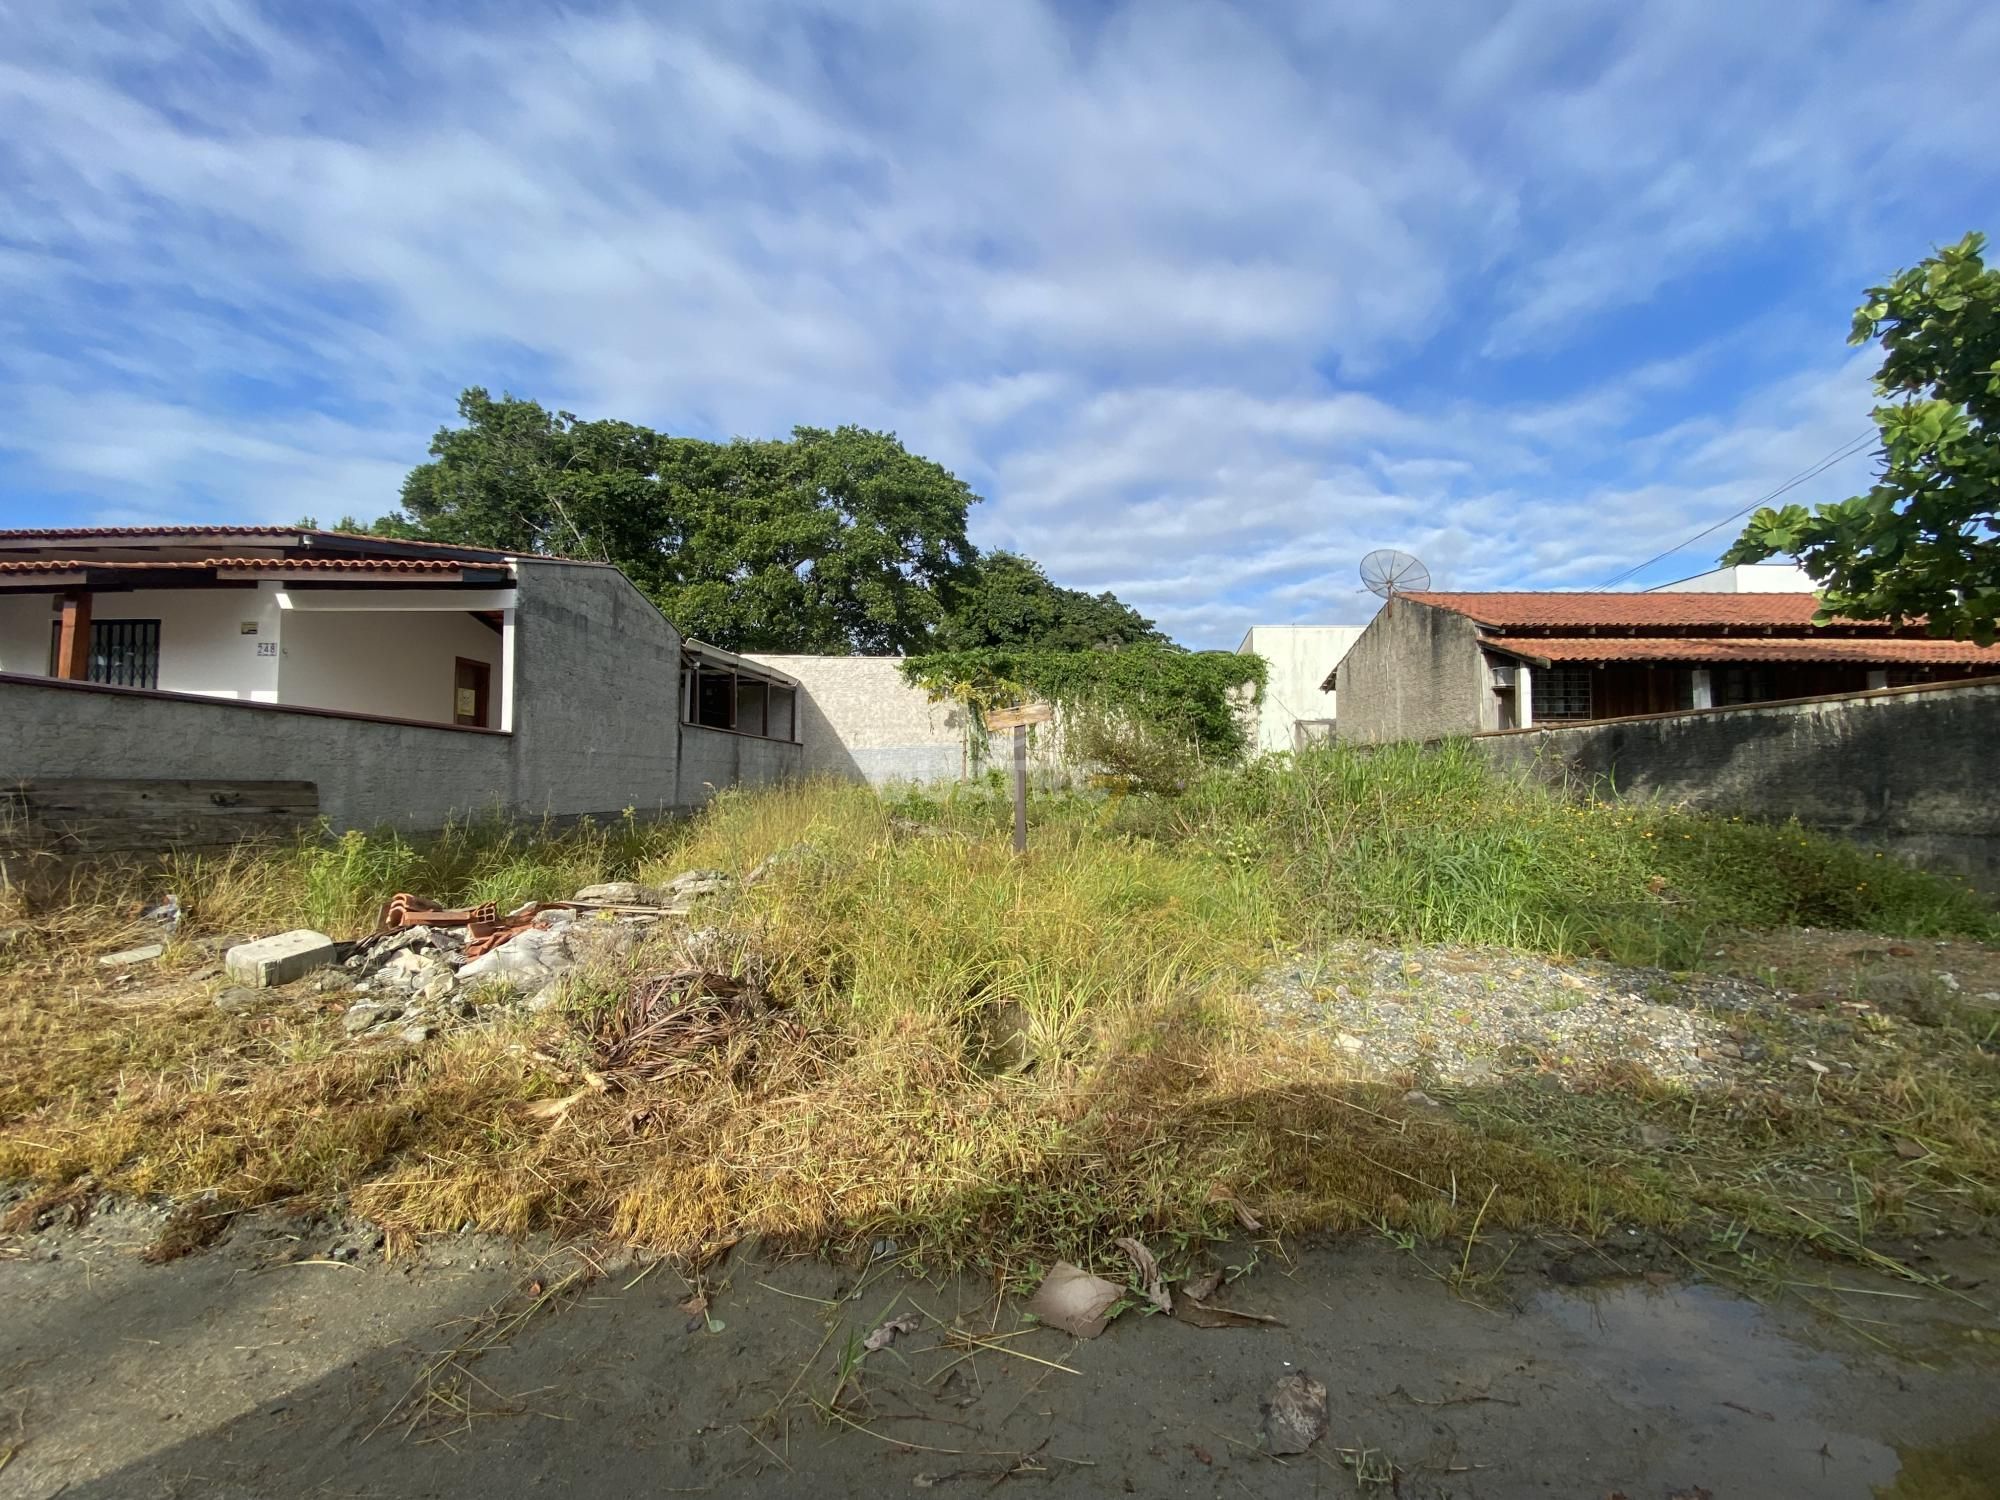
{"x":981,"y":1056}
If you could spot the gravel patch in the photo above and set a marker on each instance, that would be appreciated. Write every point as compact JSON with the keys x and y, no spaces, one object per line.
{"x":1445,"y":1016}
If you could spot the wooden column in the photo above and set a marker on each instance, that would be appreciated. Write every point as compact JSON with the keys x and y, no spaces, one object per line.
{"x":73,"y":638}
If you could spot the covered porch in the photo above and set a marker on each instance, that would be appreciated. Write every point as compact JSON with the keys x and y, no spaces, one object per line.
{"x":390,"y":631}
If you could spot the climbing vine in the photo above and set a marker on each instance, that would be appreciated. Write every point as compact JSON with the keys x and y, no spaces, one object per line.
{"x":1195,"y":696}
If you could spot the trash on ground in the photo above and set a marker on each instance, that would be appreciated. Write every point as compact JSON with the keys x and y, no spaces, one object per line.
{"x":884,"y":1336}
{"x":1244,"y":1216}
{"x":1294,"y":1414}
{"x":1150,"y":1280}
{"x":1194,"y":1306}
{"x":144,"y":954}
{"x":1072,"y":1299}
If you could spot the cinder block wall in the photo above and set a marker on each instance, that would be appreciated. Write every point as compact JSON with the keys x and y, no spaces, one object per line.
{"x":859,"y":719}
{"x":1416,"y":673}
{"x":712,"y":760}
{"x":1907,"y":769}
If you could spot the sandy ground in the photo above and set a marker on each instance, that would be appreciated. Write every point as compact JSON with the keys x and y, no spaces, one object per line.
{"x":266,"y":1366}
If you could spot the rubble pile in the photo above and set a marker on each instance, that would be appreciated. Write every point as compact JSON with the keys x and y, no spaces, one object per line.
{"x":426,"y":969}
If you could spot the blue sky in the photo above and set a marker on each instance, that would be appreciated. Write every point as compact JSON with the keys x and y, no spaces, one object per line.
{"x":1207,"y":300}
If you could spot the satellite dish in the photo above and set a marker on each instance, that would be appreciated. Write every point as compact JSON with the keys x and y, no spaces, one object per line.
{"x":1388,"y":573}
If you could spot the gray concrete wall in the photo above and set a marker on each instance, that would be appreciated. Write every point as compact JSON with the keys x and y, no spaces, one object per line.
{"x":596,"y":693}
{"x":596,"y":726}
{"x":860,"y":720}
{"x":1907,"y":769}
{"x":411,"y":775}
{"x":1416,"y":673}
{"x":714,"y":759}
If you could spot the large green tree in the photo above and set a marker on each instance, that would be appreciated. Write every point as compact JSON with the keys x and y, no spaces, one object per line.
{"x":1011,"y":602}
{"x":1923,"y":542}
{"x":830,"y":541}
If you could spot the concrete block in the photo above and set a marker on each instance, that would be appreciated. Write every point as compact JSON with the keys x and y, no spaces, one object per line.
{"x":280,"y":959}
{"x":130,"y":956}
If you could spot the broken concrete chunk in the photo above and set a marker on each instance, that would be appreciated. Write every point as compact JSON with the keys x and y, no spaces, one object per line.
{"x":366,"y":1013}
{"x":692,"y":883}
{"x":1072,"y":1299}
{"x":235,"y":999}
{"x":281,"y":959}
{"x":527,"y":961}
{"x":141,"y":955}
{"x":619,"y":893}
{"x":1294,"y":1414}
{"x":436,"y":986}
{"x":423,"y":1031}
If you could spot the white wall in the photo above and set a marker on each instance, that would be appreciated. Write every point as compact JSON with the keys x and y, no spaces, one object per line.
{"x":202,"y":645}
{"x":1745,"y":578}
{"x":398,"y":664}
{"x":1300,"y":657}
{"x":24,"y":633}
{"x":859,"y":718}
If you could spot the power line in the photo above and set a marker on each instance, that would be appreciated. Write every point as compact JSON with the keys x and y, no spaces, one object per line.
{"x":1844,"y":452}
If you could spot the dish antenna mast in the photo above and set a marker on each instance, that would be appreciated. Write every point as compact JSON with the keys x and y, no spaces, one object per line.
{"x":1388,"y":573}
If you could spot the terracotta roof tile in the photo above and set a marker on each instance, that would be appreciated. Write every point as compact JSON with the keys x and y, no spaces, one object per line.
{"x":278,"y":535}
{"x":262,"y":564}
{"x":1531,"y":610}
{"x":1874,"y":650}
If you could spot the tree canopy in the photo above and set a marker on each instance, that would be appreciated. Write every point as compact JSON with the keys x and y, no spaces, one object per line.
{"x":831,"y":541}
{"x":1923,"y":541}
{"x":1010,"y":601}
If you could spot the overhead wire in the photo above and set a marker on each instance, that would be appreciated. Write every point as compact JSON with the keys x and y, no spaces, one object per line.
{"x":1839,"y":455}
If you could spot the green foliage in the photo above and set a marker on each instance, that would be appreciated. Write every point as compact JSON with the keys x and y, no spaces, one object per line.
{"x":832,"y":541}
{"x":1429,"y":844}
{"x":1190,"y":696}
{"x":1011,"y":602}
{"x":1923,"y":542}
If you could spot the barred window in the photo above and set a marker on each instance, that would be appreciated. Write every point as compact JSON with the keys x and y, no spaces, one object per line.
{"x":1561,"y":693}
{"x":123,"y":653}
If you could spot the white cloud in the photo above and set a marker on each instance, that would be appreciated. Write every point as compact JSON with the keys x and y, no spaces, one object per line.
{"x":1208,"y":301}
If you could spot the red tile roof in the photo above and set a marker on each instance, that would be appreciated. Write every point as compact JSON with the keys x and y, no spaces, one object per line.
{"x":1862,"y":649}
{"x":278,"y":535}
{"x":262,"y":564}
{"x":1528,"y":610}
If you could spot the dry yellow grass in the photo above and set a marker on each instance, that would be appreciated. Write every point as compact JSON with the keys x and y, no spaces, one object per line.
{"x":981,"y":1057}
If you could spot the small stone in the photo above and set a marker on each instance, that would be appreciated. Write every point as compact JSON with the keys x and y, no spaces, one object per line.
{"x":1418,"y":1099}
{"x":437,"y":987}
{"x":367,"y":1013}
{"x":330,"y":982}
{"x":1654,"y":1137}
{"x":1348,"y":1042}
{"x":1294,"y":1414}
{"x":280,"y":959}
{"x":144,"y":954}
{"x":422,"y":1032}
{"x":236,"y":999}
{"x":1949,"y":981}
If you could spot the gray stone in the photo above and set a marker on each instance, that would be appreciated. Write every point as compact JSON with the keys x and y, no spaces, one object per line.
{"x":527,"y":961}
{"x":280,"y":959}
{"x":422,"y":1032}
{"x":435,"y":987}
{"x":368,"y":1013}
{"x":619,"y":893}
{"x":1294,"y":1414}
{"x":143,"y":954}
{"x":692,"y":883}
{"x":235,"y":999}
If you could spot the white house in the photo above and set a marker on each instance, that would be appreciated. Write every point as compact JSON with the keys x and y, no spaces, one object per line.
{"x":1296,"y":710}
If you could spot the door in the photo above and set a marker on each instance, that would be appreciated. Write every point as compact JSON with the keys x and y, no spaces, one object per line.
{"x":471,"y":686}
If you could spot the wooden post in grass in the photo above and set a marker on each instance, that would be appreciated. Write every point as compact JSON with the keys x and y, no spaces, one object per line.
{"x":1018,"y":719}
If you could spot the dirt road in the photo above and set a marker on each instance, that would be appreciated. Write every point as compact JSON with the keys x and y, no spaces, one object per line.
{"x":273,"y":1365}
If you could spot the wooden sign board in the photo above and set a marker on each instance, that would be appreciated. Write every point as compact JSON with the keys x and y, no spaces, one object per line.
{"x":1020,"y":716}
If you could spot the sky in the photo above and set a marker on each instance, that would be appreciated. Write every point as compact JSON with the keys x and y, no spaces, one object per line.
{"x":1206,"y":301}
